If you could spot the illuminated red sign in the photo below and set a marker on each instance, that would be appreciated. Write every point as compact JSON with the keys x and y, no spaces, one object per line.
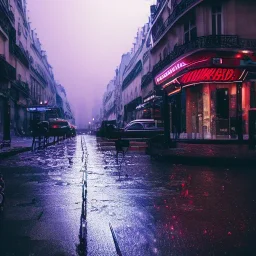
{"x":212,"y":75}
{"x":227,"y":60}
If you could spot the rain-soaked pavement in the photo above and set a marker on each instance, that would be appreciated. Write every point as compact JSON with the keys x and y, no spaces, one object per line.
{"x":152,"y":208}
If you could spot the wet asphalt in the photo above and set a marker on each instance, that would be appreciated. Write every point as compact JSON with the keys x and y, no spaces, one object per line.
{"x":132,"y":205}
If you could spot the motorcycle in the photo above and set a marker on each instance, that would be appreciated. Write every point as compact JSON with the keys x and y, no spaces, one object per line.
{"x":2,"y":186}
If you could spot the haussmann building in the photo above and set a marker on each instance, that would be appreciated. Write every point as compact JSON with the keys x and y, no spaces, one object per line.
{"x":204,"y":59}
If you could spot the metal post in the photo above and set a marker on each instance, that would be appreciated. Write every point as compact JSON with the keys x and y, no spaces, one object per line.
{"x":166,"y":112}
{"x":239,"y":117}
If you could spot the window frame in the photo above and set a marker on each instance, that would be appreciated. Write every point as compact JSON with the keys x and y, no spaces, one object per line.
{"x":189,"y":26}
{"x":214,"y":15}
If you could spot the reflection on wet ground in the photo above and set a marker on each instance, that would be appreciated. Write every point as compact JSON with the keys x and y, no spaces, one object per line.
{"x":43,"y":201}
{"x":162,"y":209}
{"x":135,"y":206}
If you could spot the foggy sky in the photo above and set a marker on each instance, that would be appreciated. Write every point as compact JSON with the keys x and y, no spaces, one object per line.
{"x":84,"y":41}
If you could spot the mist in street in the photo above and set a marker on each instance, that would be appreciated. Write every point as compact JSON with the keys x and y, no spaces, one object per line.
{"x":85,"y":43}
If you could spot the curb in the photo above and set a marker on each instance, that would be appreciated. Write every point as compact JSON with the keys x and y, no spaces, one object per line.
{"x":17,"y":151}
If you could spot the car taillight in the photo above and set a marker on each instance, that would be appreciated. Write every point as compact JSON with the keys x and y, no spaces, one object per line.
{"x":55,"y":126}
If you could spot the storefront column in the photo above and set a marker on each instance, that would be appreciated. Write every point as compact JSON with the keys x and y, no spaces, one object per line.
{"x":166,"y":112}
{"x":239,"y":114}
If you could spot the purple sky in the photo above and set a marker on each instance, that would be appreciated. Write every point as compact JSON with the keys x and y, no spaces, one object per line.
{"x":84,"y":41}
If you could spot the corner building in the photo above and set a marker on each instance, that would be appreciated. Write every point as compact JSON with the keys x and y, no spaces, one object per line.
{"x":204,"y":59}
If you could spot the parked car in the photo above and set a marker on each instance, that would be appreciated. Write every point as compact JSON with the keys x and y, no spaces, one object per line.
{"x":59,"y":127}
{"x":107,"y":129}
{"x":142,"y":128}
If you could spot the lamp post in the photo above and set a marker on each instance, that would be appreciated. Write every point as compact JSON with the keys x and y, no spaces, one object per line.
{"x":89,"y":126}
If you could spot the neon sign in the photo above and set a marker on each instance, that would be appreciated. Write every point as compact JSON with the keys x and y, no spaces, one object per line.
{"x":212,"y":75}
{"x":169,"y":72}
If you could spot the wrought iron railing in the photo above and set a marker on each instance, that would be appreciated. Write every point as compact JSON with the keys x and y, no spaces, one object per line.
{"x":21,"y":86}
{"x":178,"y":11}
{"x":5,"y":8}
{"x":159,"y":7}
{"x":132,"y":75}
{"x":7,"y":71}
{"x":41,"y":78}
{"x":22,"y":55}
{"x":146,"y":56}
{"x":146,"y":80}
{"x":134,"y":58}
{"x":206,"y":42}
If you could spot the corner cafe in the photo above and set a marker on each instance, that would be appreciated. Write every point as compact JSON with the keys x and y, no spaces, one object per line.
{"x":217,"y":89}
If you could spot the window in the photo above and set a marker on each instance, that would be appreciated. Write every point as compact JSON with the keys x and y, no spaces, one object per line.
{"x":136,"y":126}
{"x":216,"y":20}
{"x":190,"y":31}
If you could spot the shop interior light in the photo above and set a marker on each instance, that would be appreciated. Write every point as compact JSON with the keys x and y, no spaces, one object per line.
{"x":246,"y":51}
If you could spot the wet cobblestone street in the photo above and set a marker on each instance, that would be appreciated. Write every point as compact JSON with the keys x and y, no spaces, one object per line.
{"x":134,"y":206}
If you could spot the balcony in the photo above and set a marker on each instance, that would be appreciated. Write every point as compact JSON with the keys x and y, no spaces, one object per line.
{"x":40,"y":77}
{"x":206,"y":42}
{"x":21,"y":86}
{"x":4,"y":7}
{"x":21,"y":54}
{"x":178,"y":11}
{"x":146,"y":80}
{"x":7,"y":71}
{"x":158,"y":9}
{"x":132,"y":75}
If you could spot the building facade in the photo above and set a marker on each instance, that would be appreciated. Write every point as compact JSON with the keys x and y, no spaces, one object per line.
{"x":131,"y":85}
{"x":118,"y":92}
{"x":26,"y":77}
{"x":109,"y":105}
{"x":63,"y":104}
{"x":203,"y":57}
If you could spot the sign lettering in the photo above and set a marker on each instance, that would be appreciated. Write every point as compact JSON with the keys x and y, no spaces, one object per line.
{"x":169,"y":72}
{"x":211,"y":75}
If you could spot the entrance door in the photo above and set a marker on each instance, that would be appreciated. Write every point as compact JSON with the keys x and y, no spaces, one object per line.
{"x":222,"y":111}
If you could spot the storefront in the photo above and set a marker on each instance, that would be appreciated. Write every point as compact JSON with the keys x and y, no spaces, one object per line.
{"x":214,"y":93}
{"x":151,"y":107}
{"x":130,"y":112}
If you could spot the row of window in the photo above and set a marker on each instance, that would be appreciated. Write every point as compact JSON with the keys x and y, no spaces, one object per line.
{"x":36,"y":90}
{"x":190,"y":29}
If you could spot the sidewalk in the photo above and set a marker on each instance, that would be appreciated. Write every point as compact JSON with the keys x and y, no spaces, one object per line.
{"x":209,"y":154}
{"x":18,"y":145}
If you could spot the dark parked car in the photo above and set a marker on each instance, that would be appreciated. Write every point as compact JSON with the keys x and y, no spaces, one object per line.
{"x":59,"y":127}
{"x":107,"y":129}
{"x":142,"y":128}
